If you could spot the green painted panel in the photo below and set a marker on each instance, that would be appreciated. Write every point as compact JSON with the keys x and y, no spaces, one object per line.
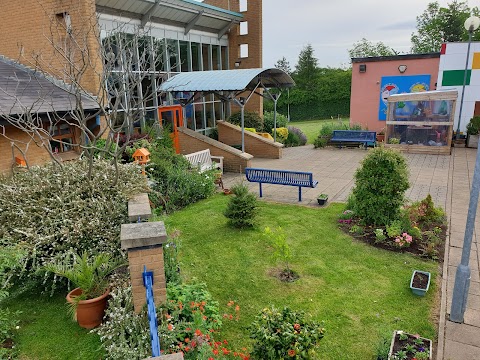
{"x":455,"y":77}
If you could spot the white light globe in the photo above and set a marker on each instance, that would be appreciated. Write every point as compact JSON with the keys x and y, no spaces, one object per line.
{"x":472,"y":23}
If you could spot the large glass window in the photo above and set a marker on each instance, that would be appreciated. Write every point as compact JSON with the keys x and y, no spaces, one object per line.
{"x":172,"y":50}
{"x":184,"y":56}
{"x":206,"y":57}
{"x":196,"y":62}
{"x":216,"y":59}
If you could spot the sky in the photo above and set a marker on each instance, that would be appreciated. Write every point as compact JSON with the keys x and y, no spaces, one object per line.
{"x":332,"y":26}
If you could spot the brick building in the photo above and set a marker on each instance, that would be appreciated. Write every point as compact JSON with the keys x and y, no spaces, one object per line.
{"x":73,"y":40}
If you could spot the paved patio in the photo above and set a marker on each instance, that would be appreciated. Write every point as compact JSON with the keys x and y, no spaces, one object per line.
{"x":446,"y":178}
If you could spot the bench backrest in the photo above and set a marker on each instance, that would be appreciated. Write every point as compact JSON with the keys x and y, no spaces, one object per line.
{"x":284,"y":177}
{"x":355,"y":134}
{"x":202,"y":157}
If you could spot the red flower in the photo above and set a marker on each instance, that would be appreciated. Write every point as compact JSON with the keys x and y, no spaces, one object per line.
{"x":225,"y":351}
{"x":296,"y":326}
{"x":187,"y":340}
{"x":215,"y":352}
{"x":187,"y":349}
{"x":198,"y":332}
{"x":225,"y":342}
{"x":170,"y":327}
{"x":291,"y":353}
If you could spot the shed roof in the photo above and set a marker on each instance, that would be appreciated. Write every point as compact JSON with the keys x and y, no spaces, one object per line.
{"x":228,"y":80}
{"x":184,"y":13}
{"x":23,"y":89}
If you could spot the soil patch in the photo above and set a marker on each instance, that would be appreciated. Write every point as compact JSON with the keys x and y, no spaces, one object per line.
{"x":420,"y":281}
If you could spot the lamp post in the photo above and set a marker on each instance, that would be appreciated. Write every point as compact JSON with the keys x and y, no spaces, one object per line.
{"x":462,"y":276}
{"x":471,"y":24}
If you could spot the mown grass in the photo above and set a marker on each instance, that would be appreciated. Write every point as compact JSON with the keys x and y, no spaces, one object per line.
{"x":360,"y":292}
{"x":47,"y":332}
{"x":311,"y":128}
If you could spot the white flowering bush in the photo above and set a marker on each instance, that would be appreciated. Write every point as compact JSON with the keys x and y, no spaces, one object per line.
{"x":54,"y":211}
{"x":124,"y":334}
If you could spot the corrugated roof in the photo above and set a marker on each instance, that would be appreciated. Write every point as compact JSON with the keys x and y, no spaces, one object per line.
{"x":182,"y":13}
{"x":23,"y":89}
{"x":227,"y":80}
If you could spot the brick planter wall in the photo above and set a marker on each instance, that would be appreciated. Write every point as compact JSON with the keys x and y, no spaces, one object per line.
{"x":255,"y":144}
{"x":192,"y":141}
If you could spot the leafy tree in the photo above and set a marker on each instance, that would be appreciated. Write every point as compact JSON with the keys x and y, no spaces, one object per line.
{"x":284,"y":65}
{"x":438,"y":24}
{"x":306,"y":69}
{"x":365,"y":48}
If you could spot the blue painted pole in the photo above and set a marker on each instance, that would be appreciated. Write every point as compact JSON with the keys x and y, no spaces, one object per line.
{"x":152,"y":313}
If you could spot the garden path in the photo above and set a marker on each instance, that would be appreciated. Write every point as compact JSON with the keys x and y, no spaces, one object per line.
{"x":446,"y":178}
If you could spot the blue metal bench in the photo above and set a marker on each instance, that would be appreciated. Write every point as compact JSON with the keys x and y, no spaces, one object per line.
{"x":281,"y":177}
{"x":354,"y":136}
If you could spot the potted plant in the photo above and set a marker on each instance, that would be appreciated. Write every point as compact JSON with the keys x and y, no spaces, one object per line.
{"x":381,"y":135}
{"x":420,"y":282}
{"x":473,"y":128}
{"x":90,"y":277}
{"x":322,"y":199}
{"x":408,"y":346}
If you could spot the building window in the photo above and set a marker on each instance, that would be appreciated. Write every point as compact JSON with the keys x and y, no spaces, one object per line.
{"x":62,"y":137}
{"x":65,"y":21}
{"x":243,"y":5}
{"x":243,"y":50}
{"x":244,"y":28}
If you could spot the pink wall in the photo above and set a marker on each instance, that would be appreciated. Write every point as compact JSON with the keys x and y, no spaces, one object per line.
{"x":365,"y":98}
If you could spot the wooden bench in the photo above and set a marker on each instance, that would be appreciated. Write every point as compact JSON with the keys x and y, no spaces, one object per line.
{"x":203,"y":161}
{"x":281,"y":177}
{"x":354,"y":136}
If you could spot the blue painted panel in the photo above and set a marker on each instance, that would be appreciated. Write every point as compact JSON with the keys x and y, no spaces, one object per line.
{"x":392,"y":85}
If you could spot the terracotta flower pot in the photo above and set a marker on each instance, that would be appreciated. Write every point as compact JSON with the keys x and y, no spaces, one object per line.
{"x":89,"y":313}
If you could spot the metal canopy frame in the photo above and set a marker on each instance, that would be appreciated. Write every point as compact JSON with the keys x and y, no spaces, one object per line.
{"x":255,"y":79}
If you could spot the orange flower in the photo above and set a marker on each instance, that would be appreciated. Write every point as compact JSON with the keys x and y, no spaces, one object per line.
{"x":198,"y":332}
{"x":296,"y":326}
{"x":237,"y":308}
{"x":187,"y":340}
{"x":225,"y":351}
{"x":170,"y":327}
{"x":215,"y":352}
{"x":291,"y":353}
{"x":230,"y":303}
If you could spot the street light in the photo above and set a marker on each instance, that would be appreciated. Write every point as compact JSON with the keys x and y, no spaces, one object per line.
{"x":462,"y":276}
{"x":471,"y":24}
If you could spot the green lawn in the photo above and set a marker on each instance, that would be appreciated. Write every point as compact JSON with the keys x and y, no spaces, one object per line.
{"x":47,"y":332}
{"x":360,"y":292}
{"x":311,"y":128}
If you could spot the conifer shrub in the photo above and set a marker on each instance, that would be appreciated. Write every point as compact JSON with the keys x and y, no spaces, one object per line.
{"x":242,"y":208}
{"x":380,"y":185}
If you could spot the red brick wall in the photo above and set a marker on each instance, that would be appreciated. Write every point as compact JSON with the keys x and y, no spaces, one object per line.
{"x":35,"y":155}
{"x":29,"y":27}
{"x":254,"y":144}
{"x":234,"y":160}
{"x":254,"y":39}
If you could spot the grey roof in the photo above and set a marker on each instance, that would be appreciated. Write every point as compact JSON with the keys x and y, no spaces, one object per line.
{"x":23,"y":89}
{"x":184,"y":13}
{"x":228,"y":80}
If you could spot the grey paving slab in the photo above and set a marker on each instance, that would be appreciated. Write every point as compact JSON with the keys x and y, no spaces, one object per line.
{"x":455,"y":350}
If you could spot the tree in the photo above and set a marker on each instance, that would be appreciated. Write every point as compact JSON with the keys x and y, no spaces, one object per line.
{"x":284,"y":65}
{"x":437,"y":25}
{"x":306,"y":69}
{"x":365,"y":48}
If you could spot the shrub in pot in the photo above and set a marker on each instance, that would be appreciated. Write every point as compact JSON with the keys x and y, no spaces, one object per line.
{"x":473,"y":129}
{"x":90,"y":278}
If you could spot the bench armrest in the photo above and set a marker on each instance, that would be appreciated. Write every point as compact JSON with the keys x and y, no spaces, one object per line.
{"x":219,"y":161}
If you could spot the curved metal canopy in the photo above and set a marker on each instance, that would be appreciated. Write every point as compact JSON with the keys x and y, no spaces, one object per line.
{"x":228,"y":80}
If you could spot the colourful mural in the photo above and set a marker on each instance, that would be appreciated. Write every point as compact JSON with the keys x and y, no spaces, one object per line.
{"x":399,"y":85}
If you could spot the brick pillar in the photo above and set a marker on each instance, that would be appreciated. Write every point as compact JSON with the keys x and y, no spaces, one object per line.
{"x":143,"y":242}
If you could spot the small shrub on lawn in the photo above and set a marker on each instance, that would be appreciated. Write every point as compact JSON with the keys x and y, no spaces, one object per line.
{"x":268,"y":121}
{"x":380,"y":185}
{"x":54,"y":212}
{"x":320,"y":142}
{"x":278,"y":240}
{"x":251,"y":120}
{"x":242,"y":209}
{"x":284,"y":334}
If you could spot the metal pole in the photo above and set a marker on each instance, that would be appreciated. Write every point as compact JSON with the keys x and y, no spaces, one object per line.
{"x":288,"y":104}
{"x":462,"y":276}
{"x":243,"y":123}
{"x":274,"y":118}
{"x":464,"y":83}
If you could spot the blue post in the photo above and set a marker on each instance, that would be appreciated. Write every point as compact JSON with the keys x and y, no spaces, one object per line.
{"x":152,"y":313}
